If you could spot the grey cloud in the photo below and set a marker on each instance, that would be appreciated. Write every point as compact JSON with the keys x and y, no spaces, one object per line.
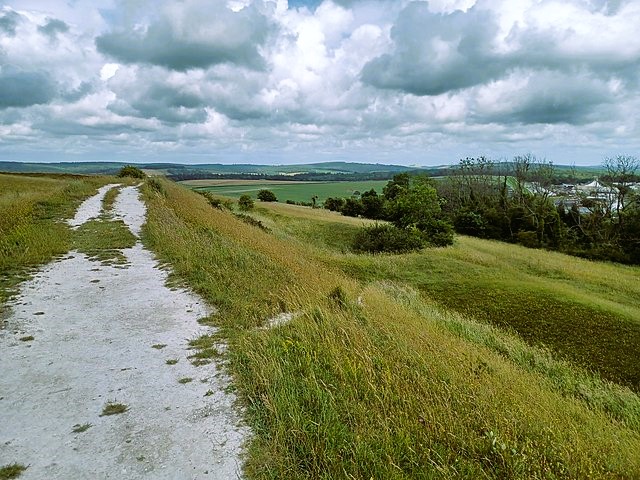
{"x":84,"y":89}
{"x":53,"y":27}
{"x":552,"y":98}
{"x":436,"y":53}
{"x":9,"y":22}
{"x":24,"y":88}
{"x":205,"y":38}
{"x":163,"y":102}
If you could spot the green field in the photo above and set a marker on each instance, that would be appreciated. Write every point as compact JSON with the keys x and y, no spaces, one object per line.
{"x":296,"y":191}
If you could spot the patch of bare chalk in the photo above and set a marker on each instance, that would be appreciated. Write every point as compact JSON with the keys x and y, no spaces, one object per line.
{"x":130,"y":209}
{"x":90,"y":208}
{"x":102,"y":334}
{"x":280,"y":319}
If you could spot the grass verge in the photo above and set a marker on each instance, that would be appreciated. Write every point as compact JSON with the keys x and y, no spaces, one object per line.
{"x":31,"y":230}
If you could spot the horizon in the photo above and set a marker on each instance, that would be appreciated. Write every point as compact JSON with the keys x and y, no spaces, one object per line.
{"x":279,"y":83}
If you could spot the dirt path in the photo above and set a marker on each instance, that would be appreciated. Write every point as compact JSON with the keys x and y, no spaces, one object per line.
{"x":93,"y":329}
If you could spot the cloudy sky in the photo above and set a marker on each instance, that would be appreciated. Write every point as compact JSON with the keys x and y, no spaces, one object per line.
{"x":260,"y":81}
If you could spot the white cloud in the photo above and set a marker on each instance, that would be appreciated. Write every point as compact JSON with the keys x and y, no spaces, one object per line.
{"x":366,"y":79}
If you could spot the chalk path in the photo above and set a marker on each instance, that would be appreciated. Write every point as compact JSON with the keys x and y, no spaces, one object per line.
{"x":94,"y":327}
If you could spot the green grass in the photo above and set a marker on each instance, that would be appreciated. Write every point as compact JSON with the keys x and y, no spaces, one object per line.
{"x":297,"y":192}
{"x":587,"y":312}
{"x":31,"y":232}
{"x":104,"y":239}
{"x":185,"y":380}
{"x":13,"y":470}
{"x":387,"y":382}
{"x":81,"y":428}
{"x":114,"y":408}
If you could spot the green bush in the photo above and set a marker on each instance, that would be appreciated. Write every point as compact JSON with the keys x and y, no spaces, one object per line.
{"x":267,"y":196}
{"x":468,"y":222}
{"x":131,"y":171}
{"x":387,"y":239}
{"x":437,"y":232}
{"x":245,"y":202}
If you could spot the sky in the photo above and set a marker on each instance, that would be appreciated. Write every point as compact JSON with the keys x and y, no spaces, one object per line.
{"x":256,"y":81}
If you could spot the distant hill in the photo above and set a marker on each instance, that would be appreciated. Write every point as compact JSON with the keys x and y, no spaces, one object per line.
{"x":326,"y":171}
{"x":214,"y":168}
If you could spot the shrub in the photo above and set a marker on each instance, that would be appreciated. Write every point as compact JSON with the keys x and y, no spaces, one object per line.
{"x":471,"y":223}
{"x":252,"y":221}
{"x":528,"y":238}
{"x":334,"y":204}
{"x":131,"y":171}
{"x":438,"y":233}
{"x":267,"y":196}
{"x":245,"y":202}
{"x":387,"y":238}
{"x":352,"y":207}
{"x":218,"y":203}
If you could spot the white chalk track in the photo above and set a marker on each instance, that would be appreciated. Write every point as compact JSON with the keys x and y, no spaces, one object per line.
{"x":94,"y":327}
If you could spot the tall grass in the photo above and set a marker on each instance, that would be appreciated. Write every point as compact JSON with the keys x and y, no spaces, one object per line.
{"x":376,"y":385}
{"x":31,"y":230}
{"x":587,"y":312}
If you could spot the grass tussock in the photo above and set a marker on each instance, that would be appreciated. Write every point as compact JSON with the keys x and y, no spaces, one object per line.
{"x":371,"y":382}
{"x":13,"y":470}
{"x":114,"y":408}
{"x":31,"y":228}
{"x":81,"y":428}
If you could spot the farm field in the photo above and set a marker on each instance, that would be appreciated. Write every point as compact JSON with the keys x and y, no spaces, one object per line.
{"x":294,"y":191}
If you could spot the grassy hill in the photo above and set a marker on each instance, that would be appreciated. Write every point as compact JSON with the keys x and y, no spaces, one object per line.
{"x":109,"y":168}
{"x":375,"y":377}
{"x":406,"y":366}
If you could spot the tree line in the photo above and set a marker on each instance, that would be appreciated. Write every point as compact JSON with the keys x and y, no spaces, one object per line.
{"x":521,"y":201}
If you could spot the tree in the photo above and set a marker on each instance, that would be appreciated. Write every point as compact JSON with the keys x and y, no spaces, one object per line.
{"x":334,"y":204}
{"x":131,"y":171}
{"x":396,"y":186}
{"x":414,"y":206}
{"x":245,"y":202}
{"x":267,"y":196}
{"x":418,"y":207}
{"x":372,"y":205}
{"x":352,"y":207}
{"x":621,"y":172}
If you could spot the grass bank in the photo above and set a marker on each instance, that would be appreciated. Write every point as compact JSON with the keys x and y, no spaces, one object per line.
{"x":586,"y":312}
{"x":370,"y":380}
